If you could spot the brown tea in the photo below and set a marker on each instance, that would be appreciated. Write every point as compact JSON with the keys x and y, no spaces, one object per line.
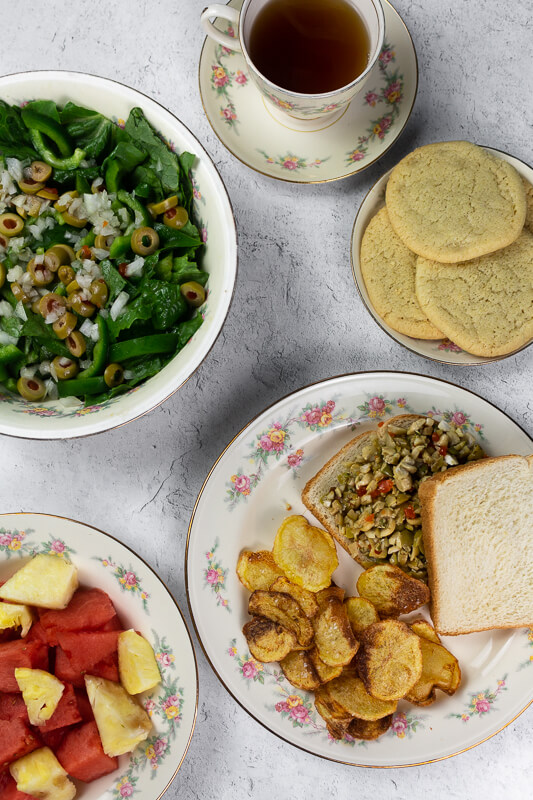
{"x":309,"y":46}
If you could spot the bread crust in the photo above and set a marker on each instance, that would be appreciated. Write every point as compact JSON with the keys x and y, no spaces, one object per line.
{"x":427,"y":493}
{"x":321,"y":513}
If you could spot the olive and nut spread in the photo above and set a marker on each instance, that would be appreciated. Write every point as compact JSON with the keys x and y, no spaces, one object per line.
{"x":375,"y":501}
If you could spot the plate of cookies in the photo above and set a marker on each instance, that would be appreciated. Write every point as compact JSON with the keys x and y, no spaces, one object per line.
{"x":442,"y":253}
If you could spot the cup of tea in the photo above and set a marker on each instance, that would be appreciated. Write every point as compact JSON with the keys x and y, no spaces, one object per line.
{"x":308,"y":58}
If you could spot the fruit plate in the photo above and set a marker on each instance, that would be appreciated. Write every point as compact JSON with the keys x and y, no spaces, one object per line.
{"x":257,"y":482}
{"x":142,"y":602}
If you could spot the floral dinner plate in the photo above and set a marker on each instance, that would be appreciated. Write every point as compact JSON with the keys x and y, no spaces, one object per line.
{"x":256,"y":483}
{"x":143,"y":603}
{"x":374,"y":119}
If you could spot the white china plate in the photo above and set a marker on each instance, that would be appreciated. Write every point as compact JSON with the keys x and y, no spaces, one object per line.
{"x":256,"y":483}
{"x":442,"y":350}
{"x":248,"y":129}
{"x":142,"y":602}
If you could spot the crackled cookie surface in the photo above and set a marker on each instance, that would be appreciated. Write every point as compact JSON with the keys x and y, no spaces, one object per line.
{"x":388,"y":269}
{"x":454,"y":201}
{"x":485,"y":305}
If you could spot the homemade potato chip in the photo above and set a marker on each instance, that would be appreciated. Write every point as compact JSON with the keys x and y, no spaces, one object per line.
{"x":283,"y":609}
{"x":305,"y":599}
{"x":307,"y":555}
{"x":361,"y":614}
{"x":391,"y":590}
{"x":390,"y":659}
{"x":257,"y":570}
{"x":369,"y":729}
{"x":324,"y":671}
{"x":349,"y":692}
{"x":299,"y":671}
{"x":268,"y":641}
{"x":334,"y":640}
{"x":423,"y":629}
{"x":440,"y":669}
{"x":331,"y":591}
{"x":335,"y":716}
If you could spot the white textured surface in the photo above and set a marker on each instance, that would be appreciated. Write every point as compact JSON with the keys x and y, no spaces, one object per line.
{"x":296,"y":318}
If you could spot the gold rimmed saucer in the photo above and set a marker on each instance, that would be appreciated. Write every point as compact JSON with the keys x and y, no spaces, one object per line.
{"x":267,"y":143}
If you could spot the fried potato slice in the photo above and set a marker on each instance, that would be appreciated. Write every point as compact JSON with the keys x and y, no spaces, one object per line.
{"x":335,"y":716}
{"x":299,"y":671}
{"x":334,"y":640}
{"x":349,"y":692}
{"x":257,"y":570}
{"x":330,"y":591}
{"x":306,"y":554}
{"x":324,"y":671}
{"x":440,"y":670}
{"x":423,"y":629}
{"x":268,"y":641}
{"x":361,"y":614}
{"x":369,"y":729}
{"x":390,"y":660}
{"x":283,"y":609}
{"x":305,"y":599}
{"x":391,"y":590}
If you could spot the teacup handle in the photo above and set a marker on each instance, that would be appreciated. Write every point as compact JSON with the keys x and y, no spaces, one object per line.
{"x":225,"y":12}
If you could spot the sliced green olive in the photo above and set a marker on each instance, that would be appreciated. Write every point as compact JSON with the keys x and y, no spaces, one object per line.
{"x":35,"y":306}
{"x":40,"y":171}
{"x":51,"y":303}
{"x":19,"y":293}
{"x":99,"y":292}
{"x":29,"y":186}
{"x":144,"y":241}
{"x":76,"y":343}
{"x":66,"y":274}
{"x":52,"y":261}
{"x":81,"y":306}
{"x":103,"y":242}
{"x":41,"y":275}
{"x":2,"y":274}
{"x":11,"y":224}
{"x":113,"y":375}
{"x":62,"y":204}
{"x":70,"y":219}
{"x":176,"y":217}
{"x":65,"y":252}
{"x":48,"y":193}
{"x":194,"y":293}
{"x":84,"y":253}
{"x":73,"y":286}
{"x":64,"y":326}
{"x":32,"y":389}
{"x":65,"y":368}
{"x":159,"y":208}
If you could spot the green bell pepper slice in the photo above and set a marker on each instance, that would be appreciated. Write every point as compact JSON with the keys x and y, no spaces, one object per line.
{"x":4,"y":374}
{"x":136,"y":206}
{"x":120,"y":246}
{"x":36,"y":121}
{"x":99,"y":355}
{"x":144,"y":346}
{"x":71,"y":162}
{"x":10,"y":353}
{"x":78,"y":387}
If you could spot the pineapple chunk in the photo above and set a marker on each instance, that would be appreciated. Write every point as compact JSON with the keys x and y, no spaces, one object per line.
{"x":136,"y":663}
{"x":14,"y":615}
{"x":121,"y":721}
{"x":46,"y":581}
{"x":41,"y":775}
{"x":40,"y":691}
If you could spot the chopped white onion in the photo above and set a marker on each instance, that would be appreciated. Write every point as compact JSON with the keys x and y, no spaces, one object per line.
{"x":15,"y":273}
{"x":29,"y":372}
{"x":119,"y":305}
{"x":5,"y":338}
{"x":39,"y":259}
{"x":6,"y":309}
{"x":20,"y":311}
{"x":135,"y":268}
{"x":100,"y":253}
{"x":51,"y":389}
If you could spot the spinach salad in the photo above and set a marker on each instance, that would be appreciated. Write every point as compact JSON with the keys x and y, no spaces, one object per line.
{"x":99,"y":279}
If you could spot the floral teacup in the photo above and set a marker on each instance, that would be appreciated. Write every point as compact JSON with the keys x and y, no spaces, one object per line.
{"x":303,"y":109}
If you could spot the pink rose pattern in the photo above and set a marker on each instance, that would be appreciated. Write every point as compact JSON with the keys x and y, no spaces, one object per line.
{"x":248,"y":667}
{"x":482,"y":702}
{"x":222,"y":80}
{"x":292,"y":162}
{"x":127,"y":579}
{"x":215,"y":577}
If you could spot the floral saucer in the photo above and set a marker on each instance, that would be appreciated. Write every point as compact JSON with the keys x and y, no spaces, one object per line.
{"x":442,"y":350}
{"x":256,"y":482}
{"x":144,"y":603}
{"x":253,"y":134}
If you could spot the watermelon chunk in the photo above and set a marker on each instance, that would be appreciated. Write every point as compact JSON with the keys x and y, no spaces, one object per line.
{"x":88,"y":610}
{"x":84,"y":706}
{"x":12,"y":706}
{"x":16,"y":740}
{"x":53,"y":739}
{"x":107,"y":668}
{"x":9,"y":791}
{"x":65,"y":671}
{"x":114,"y":624}
{"x":66,"y":713}
{"x":37,"y":633}
{"x":84,"y":650}
{"x":20,"y":654}
{"x":81,"y":754}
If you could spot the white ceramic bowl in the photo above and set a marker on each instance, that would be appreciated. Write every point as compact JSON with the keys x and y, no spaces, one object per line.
{"x":442,"y":350}
{"x":143,"y":603}
{"x":51,"y":420}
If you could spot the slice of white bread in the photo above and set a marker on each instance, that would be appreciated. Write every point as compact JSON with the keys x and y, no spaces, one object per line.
{"x":319,"y":486}
{"x":477,"y":523}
